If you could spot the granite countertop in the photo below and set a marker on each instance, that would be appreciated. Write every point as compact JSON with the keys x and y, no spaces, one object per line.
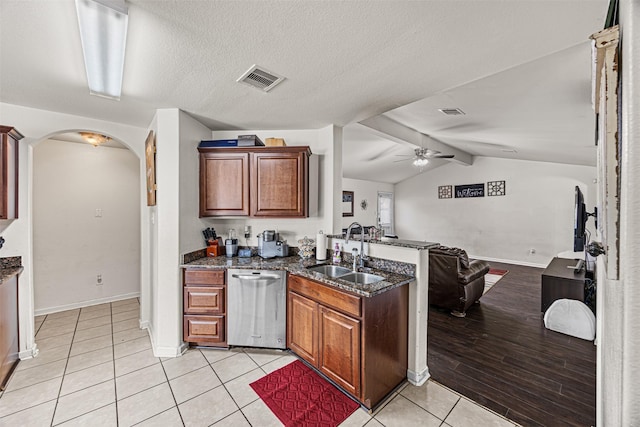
{"x":296,"y":265}
{"x":412,"y":244}
{"x":9,"y":267}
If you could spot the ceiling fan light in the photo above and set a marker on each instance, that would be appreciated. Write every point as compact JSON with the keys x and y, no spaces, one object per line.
{"x":420,"y":162}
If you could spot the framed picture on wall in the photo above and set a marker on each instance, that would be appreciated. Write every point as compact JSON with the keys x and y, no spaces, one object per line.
{"x":347,"y":203}
{"x":150,"y":155}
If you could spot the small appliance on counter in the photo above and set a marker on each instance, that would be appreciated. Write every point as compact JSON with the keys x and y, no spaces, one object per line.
{"x":270,"y":245}
{"x":231,"y":244}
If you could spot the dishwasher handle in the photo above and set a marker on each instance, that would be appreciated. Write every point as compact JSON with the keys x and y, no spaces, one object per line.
{"x":255,"y":277}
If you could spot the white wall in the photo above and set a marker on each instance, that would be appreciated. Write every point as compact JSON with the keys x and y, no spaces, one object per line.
{"x":536,"y":213}
{"x":37,"y":125}
{"x":326,"y":143}
{"x":71,"y":245}
{"x":191,"y":133}
{"x":364,"y":190}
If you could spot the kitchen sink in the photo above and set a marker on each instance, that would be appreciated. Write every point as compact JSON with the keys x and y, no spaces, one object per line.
{"x":361,"y":278}
{"x":330,"y":270}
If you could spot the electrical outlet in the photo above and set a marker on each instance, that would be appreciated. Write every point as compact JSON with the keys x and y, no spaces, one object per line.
{"x":98,"y":213}
{"x":247,"y":231}
{"x":99,"y":280}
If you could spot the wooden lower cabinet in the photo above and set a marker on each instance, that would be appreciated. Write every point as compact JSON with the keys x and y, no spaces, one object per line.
{"x":205,"y":329}
{"x":302,"y":327}
{"x":359,"y":343}
{"x":205,"y":302}
{"x":340,"y":349}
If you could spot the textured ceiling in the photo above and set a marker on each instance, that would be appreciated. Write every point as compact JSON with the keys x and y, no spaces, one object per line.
{"x":344,"y":62}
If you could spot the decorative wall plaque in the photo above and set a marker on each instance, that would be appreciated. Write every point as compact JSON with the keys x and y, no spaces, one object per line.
{"x":150,"y":156}
{"x":445,"y":192}
{"x":496,"y":188}
{"x":469,"y":190}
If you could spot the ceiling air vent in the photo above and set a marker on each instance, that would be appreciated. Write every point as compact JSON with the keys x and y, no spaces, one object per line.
{"x":260,"y":78}
{"x":451,"y":111}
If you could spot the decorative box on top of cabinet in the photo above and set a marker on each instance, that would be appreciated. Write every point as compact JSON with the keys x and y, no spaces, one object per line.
{"x":268,"y":182}
{"x":9,"y":138}
{"x":204,"y":298}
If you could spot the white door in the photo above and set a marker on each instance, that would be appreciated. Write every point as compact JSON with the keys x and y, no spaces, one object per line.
{"x":385,"y":212}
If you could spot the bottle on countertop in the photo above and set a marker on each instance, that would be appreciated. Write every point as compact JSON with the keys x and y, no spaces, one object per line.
{"x":337,"y":255}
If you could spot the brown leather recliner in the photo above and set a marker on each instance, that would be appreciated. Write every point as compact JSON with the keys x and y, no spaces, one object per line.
{"x":454,"y":282}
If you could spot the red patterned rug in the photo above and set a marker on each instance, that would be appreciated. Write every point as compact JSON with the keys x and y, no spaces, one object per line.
{"x":300,"y":397}
{"x":492,"y":277}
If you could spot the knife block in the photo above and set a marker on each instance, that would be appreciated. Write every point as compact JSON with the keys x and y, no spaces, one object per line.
{"x":214,"y":247}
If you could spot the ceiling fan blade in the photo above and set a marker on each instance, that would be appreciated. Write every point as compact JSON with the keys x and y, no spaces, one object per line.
{"x":402,"y":160}
{"x":443,"y":156}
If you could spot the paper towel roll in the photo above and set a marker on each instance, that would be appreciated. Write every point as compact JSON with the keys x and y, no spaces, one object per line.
{"x":321,"y":246}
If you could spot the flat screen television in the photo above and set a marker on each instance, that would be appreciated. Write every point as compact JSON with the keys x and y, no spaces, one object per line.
{"x":580,"y":222}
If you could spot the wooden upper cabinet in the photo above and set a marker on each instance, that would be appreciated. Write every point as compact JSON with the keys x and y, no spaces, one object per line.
{"x":270,"y":182}
{"x":224,"y":183}
{"x":9,"y":138}
{"x":279,"y":184}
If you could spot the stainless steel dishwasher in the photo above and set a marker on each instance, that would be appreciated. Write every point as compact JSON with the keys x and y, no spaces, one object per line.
{"x":257,"y":308}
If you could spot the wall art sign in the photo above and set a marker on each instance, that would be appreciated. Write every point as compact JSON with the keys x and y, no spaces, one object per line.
{"x":445,"y":192}
{"x":150,"y":156}
{"x":496,"y":188}
{"x":469,"y":190}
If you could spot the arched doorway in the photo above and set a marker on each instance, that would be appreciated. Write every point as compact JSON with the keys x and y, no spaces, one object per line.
{"x":85,"y":222}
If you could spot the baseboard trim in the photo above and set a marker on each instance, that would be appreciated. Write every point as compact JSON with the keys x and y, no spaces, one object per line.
{"x":88,"y":303}
{"x":169,"y":351}
{"x":29,"y":353}
{"x":510,"y":261}
{"x":420,"y":378}
{"x":162,"y":351}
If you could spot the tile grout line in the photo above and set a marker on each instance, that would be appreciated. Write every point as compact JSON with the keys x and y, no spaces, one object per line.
{"x":171,"y":390}
{"x":113,"y":355}
{"x":53,"y":416}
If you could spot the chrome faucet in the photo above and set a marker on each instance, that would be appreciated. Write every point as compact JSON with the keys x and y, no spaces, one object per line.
{"x":362,"y":257}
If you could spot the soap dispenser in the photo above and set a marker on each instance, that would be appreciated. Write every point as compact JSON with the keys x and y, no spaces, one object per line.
{"x":337,"y":255}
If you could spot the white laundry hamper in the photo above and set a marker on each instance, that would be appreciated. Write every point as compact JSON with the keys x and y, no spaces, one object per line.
{"x":571,"y":317}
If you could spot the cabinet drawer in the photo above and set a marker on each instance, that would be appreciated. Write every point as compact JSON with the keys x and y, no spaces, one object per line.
{"x":326,"y":295}
{"x":203,"y":277}
{"x":204,"y":299}
{"x":205,"y":329}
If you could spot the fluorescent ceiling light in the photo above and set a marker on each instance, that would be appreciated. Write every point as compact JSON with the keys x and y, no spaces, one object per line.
{"x":103,"y":32}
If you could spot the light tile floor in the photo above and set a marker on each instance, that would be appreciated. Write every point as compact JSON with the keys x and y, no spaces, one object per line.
{"x":96,"y":368}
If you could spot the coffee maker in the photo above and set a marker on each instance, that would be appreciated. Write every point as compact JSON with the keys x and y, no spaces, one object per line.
{"x":270,"y":245}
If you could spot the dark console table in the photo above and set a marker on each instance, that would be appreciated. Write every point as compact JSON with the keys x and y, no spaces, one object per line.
{"x":559,"y":281}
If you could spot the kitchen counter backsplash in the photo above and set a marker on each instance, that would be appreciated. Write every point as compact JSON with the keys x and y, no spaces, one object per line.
{"x":202,"y":253}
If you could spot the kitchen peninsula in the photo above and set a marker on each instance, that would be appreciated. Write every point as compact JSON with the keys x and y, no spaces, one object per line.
{"x":354,"y":333}
{"x":411,"y":252}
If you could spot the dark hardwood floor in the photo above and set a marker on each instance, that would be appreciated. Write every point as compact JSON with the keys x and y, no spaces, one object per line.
{"x":502,"y":357}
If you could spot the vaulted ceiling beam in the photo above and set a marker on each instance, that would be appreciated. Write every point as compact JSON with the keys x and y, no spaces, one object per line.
{"x":394,"y":131}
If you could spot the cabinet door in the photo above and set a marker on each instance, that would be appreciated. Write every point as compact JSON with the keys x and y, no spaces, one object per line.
{"x":204,"y":329}
{"x":339,"y":357}
{"x":9,"y":138}
{"x":302,"y":327}
{"x":279,"y":184}
{"x":224,"y":184}
{"x":204,"y":299}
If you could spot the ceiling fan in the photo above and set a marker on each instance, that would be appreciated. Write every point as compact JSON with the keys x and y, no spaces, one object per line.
{"x":422,"y":156}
